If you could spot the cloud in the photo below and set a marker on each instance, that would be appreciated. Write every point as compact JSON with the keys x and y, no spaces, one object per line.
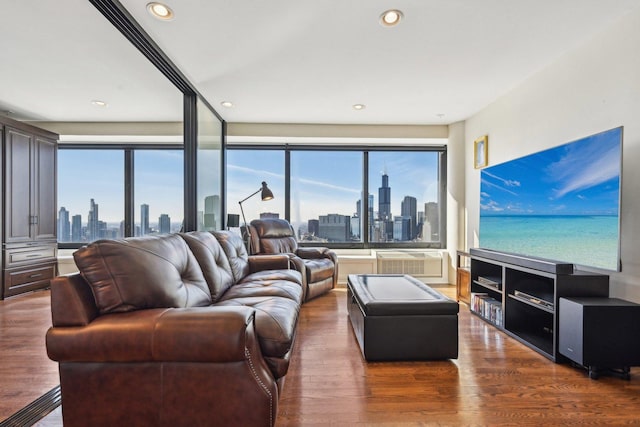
{"x":325,"y":185}
{"x":494,"y":185}
{"x":506,"y":182}
{"x":582,"y":168}
{"x":491,"y":206}
{"x":255,"y":172}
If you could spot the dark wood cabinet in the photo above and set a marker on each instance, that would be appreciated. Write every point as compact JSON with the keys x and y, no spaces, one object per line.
{"x":29,"y":231}
{"x":463,"y":277}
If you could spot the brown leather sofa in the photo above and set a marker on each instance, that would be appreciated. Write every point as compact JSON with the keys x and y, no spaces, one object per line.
{"x":318,"y":264}
{"x":174,"y":330}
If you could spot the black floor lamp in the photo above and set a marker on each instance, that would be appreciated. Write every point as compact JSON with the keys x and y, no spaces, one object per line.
{"x":265,"y":195}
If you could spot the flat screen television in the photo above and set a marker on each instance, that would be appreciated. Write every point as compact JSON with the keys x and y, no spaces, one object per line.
{"x":561,"y":204}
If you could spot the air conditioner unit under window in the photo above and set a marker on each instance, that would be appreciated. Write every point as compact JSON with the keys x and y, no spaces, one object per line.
{"x":418,"y":264}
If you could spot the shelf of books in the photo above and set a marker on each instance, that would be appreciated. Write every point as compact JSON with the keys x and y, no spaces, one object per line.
{"x":488,"y":308}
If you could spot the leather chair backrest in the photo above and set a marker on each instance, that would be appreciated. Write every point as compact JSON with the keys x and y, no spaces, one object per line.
{"x":236,"y":252}
{"x":142,"y":272}
{"x":276,"y":236}
{"x":212,"y":260}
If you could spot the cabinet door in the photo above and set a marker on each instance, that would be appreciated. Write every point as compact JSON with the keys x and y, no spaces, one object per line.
{"x":44,"y":188}
{"x":18,"y":195}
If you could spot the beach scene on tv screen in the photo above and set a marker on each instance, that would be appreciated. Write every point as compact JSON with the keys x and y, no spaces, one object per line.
{"x":560,"y":204}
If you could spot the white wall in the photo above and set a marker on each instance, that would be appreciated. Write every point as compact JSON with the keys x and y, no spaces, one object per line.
{"x":591,"y":89}
{"x":456,"y":217}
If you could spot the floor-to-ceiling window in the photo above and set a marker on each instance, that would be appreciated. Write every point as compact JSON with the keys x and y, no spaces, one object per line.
{"x":321,"y":191}
{"x":92,"y":192}
{"x":246,"y":170}
{"x":209,"y":167}
{"x":90,"y":195}
{"x":405,"y":190}
{"x":326,"y":189}
{"x":158,"y":190}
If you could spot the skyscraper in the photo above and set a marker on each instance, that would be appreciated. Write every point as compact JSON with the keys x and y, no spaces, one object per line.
{"x":384,"y":209}
{"x":273,"y":215}
{"x":76,"y":228}
{"x":409,"y":208}
{"x":64,"y":226}
{"x":335,"y":227}
{"x":384,"y":199}
{"x":211,"y":210}
{"x":144,"y":219}
{"x":401,"y":228}
{"x":313,"y":227}
{"x":164,"y":224}
{"x":93,"y":229}
{"x":432,"y":217}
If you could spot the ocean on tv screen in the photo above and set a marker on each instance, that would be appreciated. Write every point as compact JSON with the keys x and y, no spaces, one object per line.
{"x":583,"y":240}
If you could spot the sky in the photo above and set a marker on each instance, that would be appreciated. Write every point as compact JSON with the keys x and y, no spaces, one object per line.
{"x":99,"y":174}
{"x":577,"y":178}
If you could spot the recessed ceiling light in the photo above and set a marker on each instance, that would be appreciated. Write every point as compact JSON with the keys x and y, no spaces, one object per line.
{"x":99,"y":103}
{"x":227,"y":104}
{"x":390,"y":18}
{"x":160,"y":11}
{"x":359,"y":106}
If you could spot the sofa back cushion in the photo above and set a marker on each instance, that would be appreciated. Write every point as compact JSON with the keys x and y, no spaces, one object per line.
{"x":213,"y":262}
{"x":275,"y":236}
{"x":236,"y":252}
{"x":142,"y":272}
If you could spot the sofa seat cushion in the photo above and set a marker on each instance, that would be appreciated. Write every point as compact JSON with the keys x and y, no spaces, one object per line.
{"x":319,"y":269}
{"x":142,"y":272}
{"x":266,"y":288}
{"x":292,"y":276}
{"x":275,"y":321}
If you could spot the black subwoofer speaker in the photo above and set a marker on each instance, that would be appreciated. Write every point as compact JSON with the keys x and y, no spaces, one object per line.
{"x":600,"y":333}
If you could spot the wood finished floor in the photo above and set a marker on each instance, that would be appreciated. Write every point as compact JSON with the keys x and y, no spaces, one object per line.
{"x":25,"y":370}
{"x":495,"y":380}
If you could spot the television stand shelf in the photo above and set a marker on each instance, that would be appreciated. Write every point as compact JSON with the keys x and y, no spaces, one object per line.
{"x":520,"y":295}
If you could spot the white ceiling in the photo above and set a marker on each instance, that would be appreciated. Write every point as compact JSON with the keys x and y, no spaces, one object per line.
{"x":288,"y":61}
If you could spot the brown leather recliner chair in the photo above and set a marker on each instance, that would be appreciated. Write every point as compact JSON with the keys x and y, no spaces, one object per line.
{"x":318,"y":265}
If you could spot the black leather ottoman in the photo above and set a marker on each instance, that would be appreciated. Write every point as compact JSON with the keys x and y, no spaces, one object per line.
{"x":397,"y":317}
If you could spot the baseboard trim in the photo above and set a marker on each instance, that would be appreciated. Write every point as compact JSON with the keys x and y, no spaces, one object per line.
{"x":36,"y":410}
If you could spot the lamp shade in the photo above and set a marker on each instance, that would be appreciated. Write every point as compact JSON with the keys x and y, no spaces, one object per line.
{"x":266,"y":194}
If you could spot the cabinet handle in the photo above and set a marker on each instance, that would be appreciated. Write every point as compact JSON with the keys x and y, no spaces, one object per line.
{"x":33,"y":276}
{"x":33,"y":256}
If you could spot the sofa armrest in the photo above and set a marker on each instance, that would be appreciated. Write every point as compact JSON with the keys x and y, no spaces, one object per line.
{"x":198,"y":334}
{"x":268,"y":262}
{"x":316,"y":252}
{"x":72,"y":301}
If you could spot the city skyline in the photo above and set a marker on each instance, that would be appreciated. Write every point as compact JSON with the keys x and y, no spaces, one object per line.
{"x":72,"y":229}
{"x":411,"y":224}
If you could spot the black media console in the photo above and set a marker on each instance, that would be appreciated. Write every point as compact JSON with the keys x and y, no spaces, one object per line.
{"x":520,"y":295}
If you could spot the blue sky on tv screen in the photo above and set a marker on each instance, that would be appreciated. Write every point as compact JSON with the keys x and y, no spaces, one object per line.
{"x":578,"y":178}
